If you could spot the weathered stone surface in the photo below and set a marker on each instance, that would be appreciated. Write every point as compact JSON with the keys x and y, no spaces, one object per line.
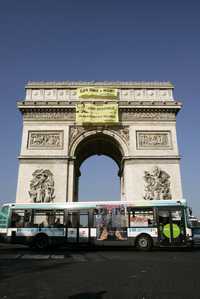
{"x":145,"y":137}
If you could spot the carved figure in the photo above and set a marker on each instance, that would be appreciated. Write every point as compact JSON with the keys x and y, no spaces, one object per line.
{"x":45,"y":139}
{"x":42,"y":186}
{"x":157,"y":184}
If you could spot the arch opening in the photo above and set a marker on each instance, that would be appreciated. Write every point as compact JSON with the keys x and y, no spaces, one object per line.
{"x":98,"y":144}
{"x":99,"y":179}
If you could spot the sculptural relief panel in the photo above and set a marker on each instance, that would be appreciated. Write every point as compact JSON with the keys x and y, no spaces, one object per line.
{"x":50,"y":94}
{"x":128,"y":115}
{"x":37,"y":94}
{"x":157,"y":184}
{"x":150,"y":94}
{"x":136,"y":94}
{"x":126,"y":94}
{"x":139,"y":94}
{"x":145,"y":94}
{"x":165,"y":95}
{"x":42,"y":186}
{"x":50,"y":115}
{"x":153,"y":140}
{"x":77,"y":131}
{"x":61,"y":94}
{"x":45,"y":140}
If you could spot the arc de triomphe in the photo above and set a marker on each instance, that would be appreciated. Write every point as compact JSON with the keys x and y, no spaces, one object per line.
{"x":64,"y":123}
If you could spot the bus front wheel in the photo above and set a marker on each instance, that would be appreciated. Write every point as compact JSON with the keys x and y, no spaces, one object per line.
{"x":41,"y":242}
{"x":144,"y":243}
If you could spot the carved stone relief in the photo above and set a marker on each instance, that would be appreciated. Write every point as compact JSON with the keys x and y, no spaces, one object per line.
{"x":49,"y":115}
{"x":165,"y":94}
{"x":37,"y":94}
{"x":124,"y":115}
{"x":77,"y":131}
{"x":45,"y":140}
{"x":50,"y":94}
{"x":157,"y":184}
{"x":42,"y":186}
{"x":151,"y":94}
{"x":139,"y":94}
{"x":132,"y":115}
{"x":153,"y":140}
{"x":128,"y":93}
{"x":124,"y":132}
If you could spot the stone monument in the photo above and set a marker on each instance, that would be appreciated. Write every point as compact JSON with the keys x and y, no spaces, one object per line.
{"x":64,"y":123}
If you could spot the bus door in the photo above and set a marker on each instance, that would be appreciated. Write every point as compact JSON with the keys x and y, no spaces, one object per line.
{"x":77,"y":227}
{"x":171,"y":226}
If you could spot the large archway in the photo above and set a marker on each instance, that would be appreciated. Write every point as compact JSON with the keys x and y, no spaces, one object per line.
{"x":64,"y":123}
{"x":99,"y":179}
{"x":96,"y":143}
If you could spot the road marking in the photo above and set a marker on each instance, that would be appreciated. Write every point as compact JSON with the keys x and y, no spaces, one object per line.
{"x":57,"y":256}
{"x":9,"y":256}
{"x":36,"y":256}
{"x":86,"y":257}
{"x":110,"y":257}
{"x":78,"y":258}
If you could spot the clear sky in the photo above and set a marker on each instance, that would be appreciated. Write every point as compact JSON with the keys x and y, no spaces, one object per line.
{"x":100,"y":40}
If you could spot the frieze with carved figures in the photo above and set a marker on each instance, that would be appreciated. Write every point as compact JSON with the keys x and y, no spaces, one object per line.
{"x":153,"y":140}
{"x":45,"y":139}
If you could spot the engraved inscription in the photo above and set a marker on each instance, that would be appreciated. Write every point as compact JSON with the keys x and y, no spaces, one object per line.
{"x":153,"y":140}
{"x":45,"y":140}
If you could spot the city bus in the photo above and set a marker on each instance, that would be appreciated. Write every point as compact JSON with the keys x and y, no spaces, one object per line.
{"x":141,"y":224}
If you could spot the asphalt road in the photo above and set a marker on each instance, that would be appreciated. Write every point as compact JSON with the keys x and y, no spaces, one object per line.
{"x":102,"y":274}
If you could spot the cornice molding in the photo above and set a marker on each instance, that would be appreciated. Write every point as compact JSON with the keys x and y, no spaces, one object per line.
{"x":113,"y":84}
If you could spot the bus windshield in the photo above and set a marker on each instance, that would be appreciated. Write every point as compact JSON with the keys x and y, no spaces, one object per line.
{"x":4,"y":214}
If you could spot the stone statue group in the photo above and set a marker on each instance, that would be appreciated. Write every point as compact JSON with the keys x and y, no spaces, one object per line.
{"x":42,"y":186}
{"x":157,"y":184}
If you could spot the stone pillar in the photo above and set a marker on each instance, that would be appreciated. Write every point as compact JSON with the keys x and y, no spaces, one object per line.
{"x":71,"y":181}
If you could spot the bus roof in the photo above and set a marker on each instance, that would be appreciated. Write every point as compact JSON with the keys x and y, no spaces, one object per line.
{"x":95,"y":204}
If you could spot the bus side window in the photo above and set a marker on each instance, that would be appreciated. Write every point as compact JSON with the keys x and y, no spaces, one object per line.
{"x":141,"y":217}
{"x":17,"y":219}
{"x":42,"y":218}
{"x":83,"y":220}
{"x":27,"y":218}
{"x":73,"y":219}
{"x":59,"y":218}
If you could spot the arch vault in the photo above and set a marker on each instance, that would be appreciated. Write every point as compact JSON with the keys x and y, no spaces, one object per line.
{"x":101,"y":142}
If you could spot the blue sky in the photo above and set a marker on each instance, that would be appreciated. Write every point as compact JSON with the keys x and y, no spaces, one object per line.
{"x":100,"y":40}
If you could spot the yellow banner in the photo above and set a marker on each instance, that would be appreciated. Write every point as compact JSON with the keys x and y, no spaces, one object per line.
{"x":93,"y":113}
{"x":98,"y":93}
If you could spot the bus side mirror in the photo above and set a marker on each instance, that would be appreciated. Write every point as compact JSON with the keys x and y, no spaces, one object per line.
{"x":190,"y":211}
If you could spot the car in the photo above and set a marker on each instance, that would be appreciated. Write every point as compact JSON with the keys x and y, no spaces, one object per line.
{"x":196,"y":236}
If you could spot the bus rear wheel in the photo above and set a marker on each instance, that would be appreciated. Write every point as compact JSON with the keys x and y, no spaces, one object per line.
{"x":144,"y":243}
{"x":41,"y":242}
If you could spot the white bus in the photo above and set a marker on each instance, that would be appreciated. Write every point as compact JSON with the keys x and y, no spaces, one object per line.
{"x":143,"y":224}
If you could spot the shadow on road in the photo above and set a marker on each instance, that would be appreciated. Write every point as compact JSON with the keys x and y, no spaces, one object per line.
{"x":98,"y":295}
{"x":29,"y":267}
